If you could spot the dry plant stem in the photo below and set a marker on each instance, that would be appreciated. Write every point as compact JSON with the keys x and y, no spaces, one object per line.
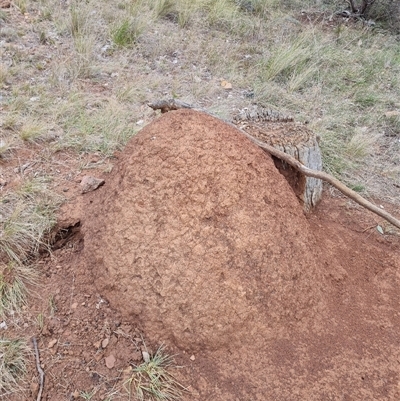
{"x":39,"y":369}
{"x":172,"y":104}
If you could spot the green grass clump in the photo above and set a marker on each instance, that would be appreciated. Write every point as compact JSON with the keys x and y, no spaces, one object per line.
{"x":127,"y":32}
{"x":27,"y":216}
{"x":13,"y":355}
{"x":151,"y":380}
{"x":105,"y":128}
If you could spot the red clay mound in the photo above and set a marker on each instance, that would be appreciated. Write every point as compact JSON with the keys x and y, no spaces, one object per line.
{"x":200,"y":238}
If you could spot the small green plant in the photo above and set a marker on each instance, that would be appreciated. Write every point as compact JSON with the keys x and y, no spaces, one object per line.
{"x":87,"y":395}
{"x":127,"y":32}
{"x":357,"y":187}
{"x":152,"y":381}
{"x":13,"y":355}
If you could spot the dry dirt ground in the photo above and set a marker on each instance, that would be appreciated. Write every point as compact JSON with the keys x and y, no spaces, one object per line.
{"x":197,"y":242}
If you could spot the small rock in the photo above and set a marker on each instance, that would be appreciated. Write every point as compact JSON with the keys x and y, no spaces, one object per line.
{"x":3,"y":183}
{"x":105,"y":342}
{"x":110,"y":361}
{"x":146,"y":356}
{"x":3,"y":325}
{"x":89,"y":183}
{"x":192,"y":358}
{"x":52,"y":343}
{"x":74,"y":305}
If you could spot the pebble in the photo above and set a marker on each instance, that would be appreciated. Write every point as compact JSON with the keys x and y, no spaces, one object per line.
{"x":89,"y":183}
{"x":110,"y":361}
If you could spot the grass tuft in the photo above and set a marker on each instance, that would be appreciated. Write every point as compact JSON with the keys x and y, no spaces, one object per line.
{"x":127,"y":32}
{"x":13,"y":354}
{"x":13,"y":291}
{"x":152,"y":381}
{"x":27,"y":216}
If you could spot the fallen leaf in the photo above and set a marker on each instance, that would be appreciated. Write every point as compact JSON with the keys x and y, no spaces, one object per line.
{"x":380,"y":229}
{"x":226,"y":85}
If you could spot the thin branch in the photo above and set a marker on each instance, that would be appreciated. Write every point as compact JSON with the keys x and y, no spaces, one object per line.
{"x":39,"y":369}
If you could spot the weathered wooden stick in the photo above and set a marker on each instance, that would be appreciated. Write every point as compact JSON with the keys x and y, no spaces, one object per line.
{"x":172,"y":104}
{"x":39,"y":369}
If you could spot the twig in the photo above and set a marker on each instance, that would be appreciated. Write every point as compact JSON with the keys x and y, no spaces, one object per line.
{"x":39,"y":369}
{"x":167,"y":105}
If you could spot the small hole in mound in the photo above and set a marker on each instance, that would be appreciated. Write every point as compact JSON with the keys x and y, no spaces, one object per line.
{"x":65,"y":234}
{"x":295,"y":179}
